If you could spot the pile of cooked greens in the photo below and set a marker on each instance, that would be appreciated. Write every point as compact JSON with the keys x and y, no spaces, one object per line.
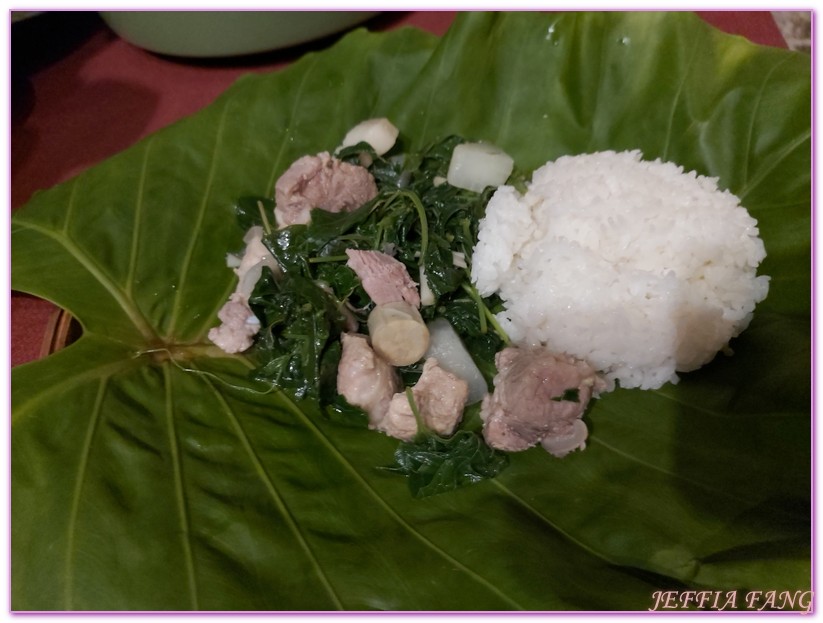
{"x":420,"y":220}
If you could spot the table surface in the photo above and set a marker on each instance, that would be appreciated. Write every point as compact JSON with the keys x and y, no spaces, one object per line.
{"x":72,"y":76}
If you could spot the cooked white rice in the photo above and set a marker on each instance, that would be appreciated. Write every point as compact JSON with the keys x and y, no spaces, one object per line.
{"x":635,"y":266}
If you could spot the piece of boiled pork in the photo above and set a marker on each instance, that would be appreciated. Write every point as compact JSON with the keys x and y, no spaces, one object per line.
{"x":384,"y":278}
{"x":539,"y":397}
{"x":364,"y":379}
{"x":439,"y":397}
{"x":320,"y":181}
{"x":239,"y":325}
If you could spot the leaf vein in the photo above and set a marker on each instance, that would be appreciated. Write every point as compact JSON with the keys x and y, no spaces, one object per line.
{"x":196,"y":227}
{"x":773,"y":162}
{"x":293,"y":115}
{"x":31,"y":401}
{"x":496,"y":482}
{"x":179,"y":490}
{"x":71,"y":528}
{"x":272,"y":491}
{"x":677,"y":97}
{"x":70,"y":207}
{"x":670,"y":474}
{"x":117,"y":293}
{"x":390,"y":511}
{"x":138,"y":217}
{"x":425,"y":114}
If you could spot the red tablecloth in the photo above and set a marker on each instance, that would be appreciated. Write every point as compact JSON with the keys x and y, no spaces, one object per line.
{"x":80,"y":94}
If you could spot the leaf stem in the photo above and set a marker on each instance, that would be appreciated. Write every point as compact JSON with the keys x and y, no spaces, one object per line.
{"x":424,"y":222}
{"x":468,"y":236}
{"x":266,"y":224}
{"x":421,"y":425}
{"x":486,"y":317}
{"x":320,"y":259}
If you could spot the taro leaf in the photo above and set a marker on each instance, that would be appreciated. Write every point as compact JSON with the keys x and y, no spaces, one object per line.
{"x":148,"y":472}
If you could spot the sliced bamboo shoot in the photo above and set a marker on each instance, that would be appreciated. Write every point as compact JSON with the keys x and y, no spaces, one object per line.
{"x":398,"y":333}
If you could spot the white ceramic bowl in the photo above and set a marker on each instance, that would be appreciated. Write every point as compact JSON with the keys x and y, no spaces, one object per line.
{"x":226,"y":33}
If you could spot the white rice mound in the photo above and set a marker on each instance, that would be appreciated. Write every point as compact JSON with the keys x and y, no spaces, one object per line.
{"x":635,"y":266}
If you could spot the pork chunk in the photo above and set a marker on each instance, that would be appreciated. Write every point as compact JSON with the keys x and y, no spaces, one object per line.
{"x":364,"y":379}
{"x":440,"y":397}
{"x":238,"y":325}
{"x":399,"y":421}
{"x":538,"y":395}
{"x":320,"y":181}
{"x":384,"y":278}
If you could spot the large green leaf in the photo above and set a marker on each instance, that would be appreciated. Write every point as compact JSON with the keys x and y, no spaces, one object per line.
{"x":149,"y":473}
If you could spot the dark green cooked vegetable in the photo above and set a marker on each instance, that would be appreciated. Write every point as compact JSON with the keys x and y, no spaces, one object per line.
{"x":420,"y":220}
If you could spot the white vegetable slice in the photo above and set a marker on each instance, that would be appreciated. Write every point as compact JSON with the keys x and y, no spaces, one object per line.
{"x":398,"y":333}
{"x":426,"y":294}
{"x":446,"y":346}
{"x":474,"y":166}
{"x":379,"y":133}
{"x":255,"y":257}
